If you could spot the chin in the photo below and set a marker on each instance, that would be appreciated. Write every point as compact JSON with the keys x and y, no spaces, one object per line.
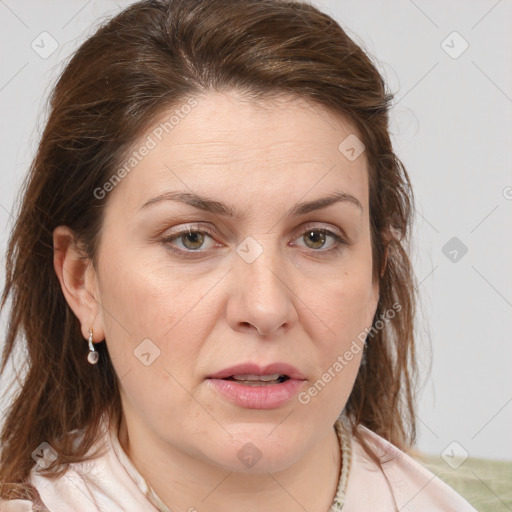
{"x":258,"y":448}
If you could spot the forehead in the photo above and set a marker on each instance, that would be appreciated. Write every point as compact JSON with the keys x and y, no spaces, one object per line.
{"x":229,"y":145}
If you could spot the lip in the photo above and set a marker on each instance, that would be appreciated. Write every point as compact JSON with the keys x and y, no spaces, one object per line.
{"x":269,"y":396}
{"x":254,"y":369}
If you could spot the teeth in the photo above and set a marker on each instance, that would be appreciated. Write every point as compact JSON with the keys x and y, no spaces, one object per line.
{"x":261,"y":378}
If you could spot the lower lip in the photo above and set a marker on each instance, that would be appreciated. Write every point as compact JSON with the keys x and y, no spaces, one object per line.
{"x":257,"y":397}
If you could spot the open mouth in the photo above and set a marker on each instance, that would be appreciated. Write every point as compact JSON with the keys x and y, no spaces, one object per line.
{"x":251,"y":386}
{"x":259,"y":380}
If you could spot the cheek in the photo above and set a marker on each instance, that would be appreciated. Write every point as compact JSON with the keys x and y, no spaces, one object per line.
{"x":153,"y":333}
{"x":147,"y":310}
{"x":337,"y":320}
{"x":339,"y":308}
{"x":138,"y":298}
{"x":337,"y":316}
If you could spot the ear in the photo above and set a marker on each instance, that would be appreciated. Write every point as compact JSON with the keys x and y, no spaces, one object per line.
{"x":78,"y":280}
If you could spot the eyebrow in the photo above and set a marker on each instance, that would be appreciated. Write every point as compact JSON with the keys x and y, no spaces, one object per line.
{"x":219,"y":208}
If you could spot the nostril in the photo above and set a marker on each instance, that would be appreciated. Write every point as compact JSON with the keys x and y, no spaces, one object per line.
{"x":248,"y":325}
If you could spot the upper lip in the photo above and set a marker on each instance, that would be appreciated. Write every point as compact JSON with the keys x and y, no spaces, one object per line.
{"x":254,"y":369}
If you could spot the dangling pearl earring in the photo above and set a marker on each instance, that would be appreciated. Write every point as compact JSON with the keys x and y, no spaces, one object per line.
{"x":92,"y":356}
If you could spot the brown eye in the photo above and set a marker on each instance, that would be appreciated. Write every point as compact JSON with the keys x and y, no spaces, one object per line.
{"x":192,"y":240}
{"x":320,"y":240}
{"x":315,"y":239}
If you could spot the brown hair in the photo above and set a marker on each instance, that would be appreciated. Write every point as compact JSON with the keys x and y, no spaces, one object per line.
{"x":145,"y":60}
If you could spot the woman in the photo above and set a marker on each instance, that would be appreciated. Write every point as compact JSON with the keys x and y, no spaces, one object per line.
{"x":210,"y":273}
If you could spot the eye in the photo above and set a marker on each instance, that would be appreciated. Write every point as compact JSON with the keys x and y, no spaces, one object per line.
{"x":189,"y":240}
{"x":198,"y":240}
{"x":321,"y":239}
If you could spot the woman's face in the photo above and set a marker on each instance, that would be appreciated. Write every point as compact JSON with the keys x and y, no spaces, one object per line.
{"x":241,"y":238}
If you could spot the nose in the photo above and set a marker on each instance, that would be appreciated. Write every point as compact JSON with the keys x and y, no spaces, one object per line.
{"x":262,"y":298}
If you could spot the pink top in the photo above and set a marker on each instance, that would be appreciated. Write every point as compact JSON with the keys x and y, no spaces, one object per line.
{"x":110,"y":483}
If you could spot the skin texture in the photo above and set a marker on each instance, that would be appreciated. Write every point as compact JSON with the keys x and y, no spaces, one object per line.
{"x":299,"y":302}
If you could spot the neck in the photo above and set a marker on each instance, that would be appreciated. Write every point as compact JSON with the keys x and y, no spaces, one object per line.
{"x":186,"y":483}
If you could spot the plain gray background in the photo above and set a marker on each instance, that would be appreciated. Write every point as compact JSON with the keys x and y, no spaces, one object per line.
{"x":449,"y":64}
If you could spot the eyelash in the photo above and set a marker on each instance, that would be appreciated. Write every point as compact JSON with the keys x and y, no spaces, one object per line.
{"x":339,"y":242}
